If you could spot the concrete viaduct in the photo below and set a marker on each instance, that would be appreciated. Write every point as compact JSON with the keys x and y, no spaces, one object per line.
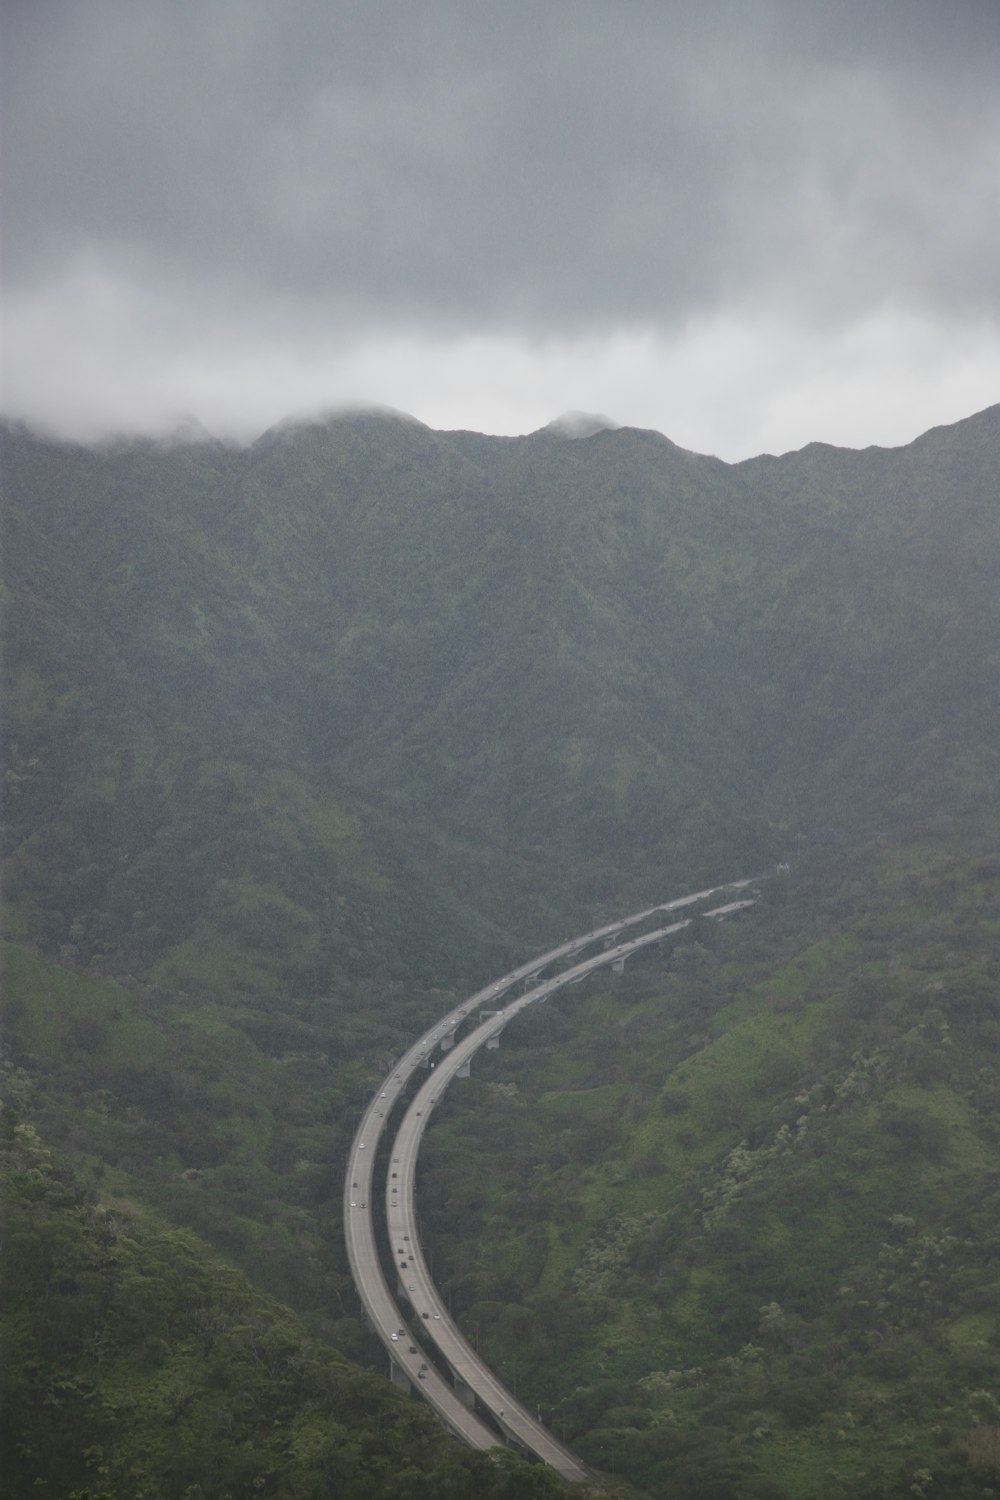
{"x":503,"y":1417}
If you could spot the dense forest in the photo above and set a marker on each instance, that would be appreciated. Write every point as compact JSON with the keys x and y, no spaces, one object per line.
{"x":304,"y":740}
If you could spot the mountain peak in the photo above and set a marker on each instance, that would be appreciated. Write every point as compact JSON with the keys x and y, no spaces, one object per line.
{"x":580,"y":424}
{"x":332,"y":416}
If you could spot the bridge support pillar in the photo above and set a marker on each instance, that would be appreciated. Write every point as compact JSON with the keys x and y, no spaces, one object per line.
{"x":465,"y":1069}
{"x":465,"y":1393}
{"x":399,"y":1376}
{"x":447,"y":1042}
{"x":493,"y":1042}
{"x":618,"y":967}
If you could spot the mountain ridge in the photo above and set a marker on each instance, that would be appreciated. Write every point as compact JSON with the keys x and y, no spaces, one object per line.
{"x":190,"y":429}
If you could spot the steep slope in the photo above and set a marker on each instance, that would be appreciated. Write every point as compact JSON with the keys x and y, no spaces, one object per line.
{"x":527,"y":651}
{"x":507,"y":646}
{"x":610,"y":642}
{"x":136,"y":1362}
{"x":163,"y":815}
{"x":892,"y":702}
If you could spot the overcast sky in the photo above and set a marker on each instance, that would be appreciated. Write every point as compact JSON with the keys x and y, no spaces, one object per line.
{"x":746,"y":223}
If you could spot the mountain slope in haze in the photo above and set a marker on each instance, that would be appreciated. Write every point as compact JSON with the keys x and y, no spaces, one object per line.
{"x":528,"y":649}
{"x":480,"y":664}
{"x":161,"y":807}
{"x":668,"y":611}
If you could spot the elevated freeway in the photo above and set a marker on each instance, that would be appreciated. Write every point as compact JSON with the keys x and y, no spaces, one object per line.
{"x":473,"y":1380}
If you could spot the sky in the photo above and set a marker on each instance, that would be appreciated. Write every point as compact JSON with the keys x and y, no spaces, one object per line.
{"x":748,"y":224}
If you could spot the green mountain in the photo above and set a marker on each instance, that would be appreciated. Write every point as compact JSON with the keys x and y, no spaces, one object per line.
{"x":303,"y":739}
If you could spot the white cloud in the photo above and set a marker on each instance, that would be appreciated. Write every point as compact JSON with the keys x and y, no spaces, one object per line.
{"x":94,"y":355}
{"x":748,"y":224}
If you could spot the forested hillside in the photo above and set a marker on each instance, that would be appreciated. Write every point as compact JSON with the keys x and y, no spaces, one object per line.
{"x":303,"y":740}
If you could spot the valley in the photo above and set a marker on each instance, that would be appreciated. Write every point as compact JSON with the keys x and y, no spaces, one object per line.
{"x":307,"y":742}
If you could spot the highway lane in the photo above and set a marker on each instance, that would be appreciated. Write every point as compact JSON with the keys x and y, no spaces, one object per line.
{"x":611,"y":929}
{"x":379,"y":1303}
{"x":359,"y":1210}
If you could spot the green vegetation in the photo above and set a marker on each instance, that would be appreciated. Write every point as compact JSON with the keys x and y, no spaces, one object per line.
{"x":303,"y":741}
{"x":733,"y":1216}
{"x":135,"y":1364}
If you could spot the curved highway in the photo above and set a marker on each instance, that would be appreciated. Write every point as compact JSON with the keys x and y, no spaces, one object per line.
{"x":474,"y":1379}
{"x":468,"y":1368}
{"x":381,"y":1309}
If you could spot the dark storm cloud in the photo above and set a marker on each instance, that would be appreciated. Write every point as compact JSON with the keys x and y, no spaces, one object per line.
{"x":541,"y":167}
{"x":746,"y":222}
